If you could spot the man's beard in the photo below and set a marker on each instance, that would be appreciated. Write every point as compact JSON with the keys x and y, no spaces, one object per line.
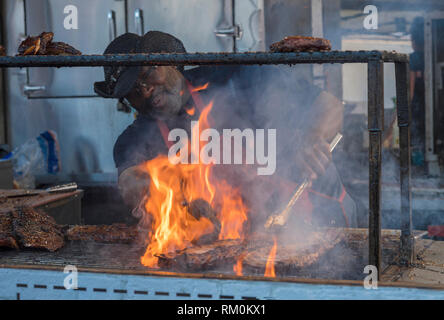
{"x":170,"y":107}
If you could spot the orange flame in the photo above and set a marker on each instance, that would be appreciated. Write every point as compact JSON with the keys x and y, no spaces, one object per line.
{"x":196,"y":89}
{"x":237,"y":268}
{"x":172,"y":186}
{"x":191,"y":111}
{"x":269,"y":267}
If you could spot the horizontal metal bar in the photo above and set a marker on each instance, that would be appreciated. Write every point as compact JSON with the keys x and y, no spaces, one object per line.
{"x":247,"y":58}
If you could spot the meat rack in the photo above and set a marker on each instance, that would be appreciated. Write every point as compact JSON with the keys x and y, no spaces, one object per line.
{"x":375,"y":61}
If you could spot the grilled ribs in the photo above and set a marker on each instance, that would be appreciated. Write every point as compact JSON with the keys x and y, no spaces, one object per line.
{"x":300,"y":43}
{"x":43,"y":45}
{"x":115,"y":233}
{"x":33,"y":229}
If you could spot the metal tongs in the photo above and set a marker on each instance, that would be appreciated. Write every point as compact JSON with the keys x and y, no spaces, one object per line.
{"x":282,"y":218}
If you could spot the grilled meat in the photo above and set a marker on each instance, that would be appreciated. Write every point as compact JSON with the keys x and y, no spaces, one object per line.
{"x":35,"y":45}
{"x":300,"y":43}
{"x":293,"y":256}
{"x":115,"y":233}
{"x":37,"y":230}
{"x":205,"y":257}
{"x":43,"y":45}
{"x":61,"y":48}
{"x":6,"y":233}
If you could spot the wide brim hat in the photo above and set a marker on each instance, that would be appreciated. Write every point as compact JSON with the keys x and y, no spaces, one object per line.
{"x":119,"y":81}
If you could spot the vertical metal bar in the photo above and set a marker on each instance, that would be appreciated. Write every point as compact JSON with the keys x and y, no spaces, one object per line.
{"x":317,"y":30}
{"x":430,"y":156}
{"x":404,"y":120}
{"x":375,"y":127}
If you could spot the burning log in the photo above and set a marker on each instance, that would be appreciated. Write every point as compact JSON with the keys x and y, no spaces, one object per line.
{"x":115,"y":233}
{"x":205,"y":257}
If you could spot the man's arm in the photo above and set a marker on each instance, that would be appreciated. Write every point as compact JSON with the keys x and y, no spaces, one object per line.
{"x":328,"y":111}
{"x":133,"y":185}
{"x":326,"y":121}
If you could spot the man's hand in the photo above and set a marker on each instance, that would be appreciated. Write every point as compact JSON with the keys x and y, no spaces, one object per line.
{"x":312,"y":160}
{"x":134,"y":183}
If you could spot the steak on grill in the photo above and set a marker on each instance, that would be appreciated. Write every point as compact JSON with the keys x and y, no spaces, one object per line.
{"x":293,"y":256}
{"x":205,"y":257}
{"x":6,"y":233}
{"x":33,"y":229}
{"x":115,"y":233}
{"x":300,"y":43}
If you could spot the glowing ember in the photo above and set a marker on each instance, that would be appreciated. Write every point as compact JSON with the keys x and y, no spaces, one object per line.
{"x":269,"y":268}
{"x":172,"y":187}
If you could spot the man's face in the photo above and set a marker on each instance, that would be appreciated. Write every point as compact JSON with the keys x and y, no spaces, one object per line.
{"x":159,"y":92}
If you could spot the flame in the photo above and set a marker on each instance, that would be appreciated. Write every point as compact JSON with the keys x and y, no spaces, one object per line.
{"x":269,"y":268}
{"x":174,"y":185}
{"x":191,"y":111}
{"x":237,"y":268}
{"x":197,"y":89}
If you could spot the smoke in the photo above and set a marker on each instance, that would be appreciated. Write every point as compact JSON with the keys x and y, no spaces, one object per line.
{"x":283,"y":98}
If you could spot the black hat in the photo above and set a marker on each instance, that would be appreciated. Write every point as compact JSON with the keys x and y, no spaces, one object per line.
{"x":119,"y":81}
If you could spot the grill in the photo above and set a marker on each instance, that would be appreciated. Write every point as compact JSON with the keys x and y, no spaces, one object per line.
{"x":374,"y":60}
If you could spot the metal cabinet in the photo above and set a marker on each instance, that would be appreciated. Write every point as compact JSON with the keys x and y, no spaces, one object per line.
{"x":202,"y":25}
{"x":99,"y":21}
{"x":192,"y":21}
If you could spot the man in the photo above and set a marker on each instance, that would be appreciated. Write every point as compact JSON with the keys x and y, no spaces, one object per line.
{"x":243,"y":98}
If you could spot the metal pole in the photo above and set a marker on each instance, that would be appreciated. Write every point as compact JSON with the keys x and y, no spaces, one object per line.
{"x":404,"y":119}
{"x":375,"y":127}
{"x":220,"y":58}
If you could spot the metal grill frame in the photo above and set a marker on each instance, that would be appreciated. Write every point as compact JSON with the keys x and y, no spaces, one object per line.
{"x":375,"y":61}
